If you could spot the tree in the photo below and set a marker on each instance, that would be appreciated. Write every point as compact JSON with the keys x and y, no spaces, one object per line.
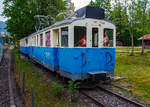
{"x":21,"y":14}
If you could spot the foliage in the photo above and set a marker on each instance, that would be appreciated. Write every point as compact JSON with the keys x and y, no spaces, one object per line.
{"x":58,"y":89}
{"x":106,"y":4}
{"x":44,"y":95}
{"x":73,"y":87}
{"x":21,"y":14}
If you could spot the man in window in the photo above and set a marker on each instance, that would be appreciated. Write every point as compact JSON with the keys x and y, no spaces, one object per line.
{"x":106,"y":40}
{"x":83,"y":41}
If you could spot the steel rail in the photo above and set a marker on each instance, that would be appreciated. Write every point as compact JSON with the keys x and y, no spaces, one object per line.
{"x":124,"y":98}
{"x":93,"y":99}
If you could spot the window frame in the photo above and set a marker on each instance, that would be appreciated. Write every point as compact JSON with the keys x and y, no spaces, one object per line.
{"x":98,"y":38}
{"x":113,"y":39}
{"x":41,"y":39}
{"x":46,"y":42}
{"x":60,"y":41}
{"x":86,"y":28}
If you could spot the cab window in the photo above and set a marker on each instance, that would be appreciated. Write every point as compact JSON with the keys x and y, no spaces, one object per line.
{"x":80,"y":36}
{"x":108,"y":37}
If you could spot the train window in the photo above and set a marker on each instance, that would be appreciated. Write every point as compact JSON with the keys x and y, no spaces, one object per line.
{"x":56,"y":37}
{"x":64,"y":37}
{"x":41,"y":39}
{"x":79,"y":36}
{"x":48,"y":39}
{"x":108,"y":37}
{"x":37,"y":40}
{"x":26,"y":42}
{"x":94,"y":37}
{"x":34,"y":40}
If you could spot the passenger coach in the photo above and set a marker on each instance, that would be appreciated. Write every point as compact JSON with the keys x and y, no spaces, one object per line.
{"x":78,"y":48}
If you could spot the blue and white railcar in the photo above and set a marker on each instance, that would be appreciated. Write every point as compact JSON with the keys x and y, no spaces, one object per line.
{"x":59,"y":48}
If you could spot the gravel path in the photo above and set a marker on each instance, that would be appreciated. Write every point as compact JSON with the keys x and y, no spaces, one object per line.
{"x":9,"y":95}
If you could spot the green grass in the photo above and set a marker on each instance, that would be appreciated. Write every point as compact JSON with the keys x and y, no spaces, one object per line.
{"x":129,"y":49}
{"x":44,"y":93}
{"x":136,"y":70}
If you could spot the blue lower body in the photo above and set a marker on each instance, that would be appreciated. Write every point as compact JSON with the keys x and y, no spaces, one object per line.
{"x":74,"y":63}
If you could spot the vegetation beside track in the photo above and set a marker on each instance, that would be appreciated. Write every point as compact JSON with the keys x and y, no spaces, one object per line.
{"x":139,"y":49}
{"x":136,"y":71}
{"x":44,"y":95}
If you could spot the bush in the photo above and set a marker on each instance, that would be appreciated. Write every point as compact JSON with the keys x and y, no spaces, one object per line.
{"x":58,"y":89}
{"x":73,"y":88}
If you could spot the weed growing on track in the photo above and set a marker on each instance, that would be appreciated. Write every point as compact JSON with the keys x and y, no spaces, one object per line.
{"x":58,"y":90}
{"x":73,"y":89}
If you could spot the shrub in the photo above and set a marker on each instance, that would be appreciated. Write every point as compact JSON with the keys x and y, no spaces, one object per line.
{"x":73,"y":88}
{"x":58,"y":89}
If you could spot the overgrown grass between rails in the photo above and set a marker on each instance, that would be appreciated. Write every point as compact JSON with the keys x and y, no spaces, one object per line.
{"x":136,"y":70}
{"x":44,"y":93}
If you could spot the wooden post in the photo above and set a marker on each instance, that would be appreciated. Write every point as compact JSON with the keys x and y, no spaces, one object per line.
{"x":142,"y":45}
{"x":23,"y":83}
{"x":32,"y":96}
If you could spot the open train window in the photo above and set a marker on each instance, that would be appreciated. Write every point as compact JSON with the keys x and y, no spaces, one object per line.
{"x":94,"y":37}
{"x":108,"y":37}
{"x":79,"y":36}
{"x":48,"y":39}
{"x":56,"y":37}
{"x":41,"y":39}
{"x":64,"y":37}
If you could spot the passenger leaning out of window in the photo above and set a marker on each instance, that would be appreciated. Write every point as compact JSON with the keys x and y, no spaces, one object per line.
{"x":83,"y":41}
{"x":106,"y":40}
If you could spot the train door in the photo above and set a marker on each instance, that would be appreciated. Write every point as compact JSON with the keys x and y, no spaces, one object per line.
{"x":56,"y":38}
{"x":92,"y":57}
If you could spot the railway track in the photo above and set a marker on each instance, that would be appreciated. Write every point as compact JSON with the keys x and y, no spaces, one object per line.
{"x":104,"y":97}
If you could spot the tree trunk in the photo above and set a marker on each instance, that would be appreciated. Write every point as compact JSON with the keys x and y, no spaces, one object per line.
{"x":142,"y":47}
{"x":132,"y":42}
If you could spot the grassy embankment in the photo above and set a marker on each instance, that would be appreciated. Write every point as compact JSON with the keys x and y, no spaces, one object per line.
{"x":136,"y":70}
{"x":43,"y":91}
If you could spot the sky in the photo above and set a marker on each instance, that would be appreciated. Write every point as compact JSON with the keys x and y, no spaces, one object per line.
{"x":78,"y":4}
{"x":1,"y":9}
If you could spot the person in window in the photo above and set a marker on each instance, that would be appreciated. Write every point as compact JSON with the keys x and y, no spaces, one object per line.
{"x":83,"y":42}
{"x":106,"y":40}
